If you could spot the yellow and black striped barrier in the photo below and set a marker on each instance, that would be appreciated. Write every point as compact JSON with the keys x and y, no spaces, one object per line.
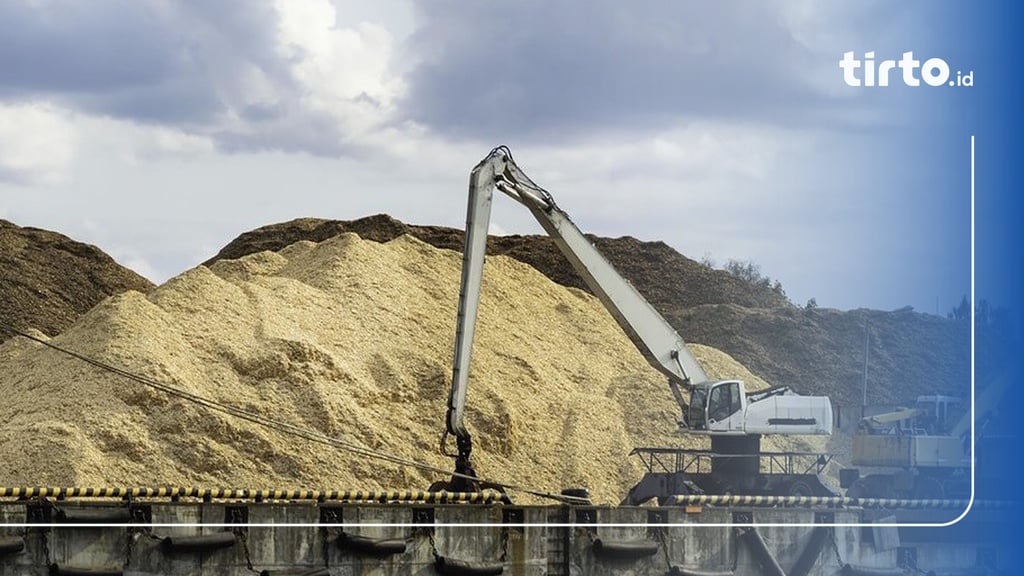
{"x":829,"y":501}
{"x":177,"y":493}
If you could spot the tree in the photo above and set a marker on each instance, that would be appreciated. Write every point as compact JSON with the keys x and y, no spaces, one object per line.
{"x":746,"y":270}
{"x":960,"y":312}
{"x":750,"y":272}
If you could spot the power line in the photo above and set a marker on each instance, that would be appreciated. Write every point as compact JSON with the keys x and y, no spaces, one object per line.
{"x":271,"y":423}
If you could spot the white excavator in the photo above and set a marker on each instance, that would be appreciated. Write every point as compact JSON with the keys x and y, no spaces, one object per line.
{"x":724,"y":410}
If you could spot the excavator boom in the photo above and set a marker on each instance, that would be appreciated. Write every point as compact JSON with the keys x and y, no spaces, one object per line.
{"x":667,"y":351}
{"x":734,"y":419}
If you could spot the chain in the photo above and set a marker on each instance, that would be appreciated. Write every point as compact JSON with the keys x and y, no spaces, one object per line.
{"x":504,"y":544}
{"x":46,"y":545}
{"x":240,"y":533}
{"x":129,"y":546}
{"x":433,"y":544}
{"x":659,"y":533}
{"x":835,"y":548}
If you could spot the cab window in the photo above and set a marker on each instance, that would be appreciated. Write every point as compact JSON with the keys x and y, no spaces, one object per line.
{"x":724,"y":401}
{"x":696,"y":416}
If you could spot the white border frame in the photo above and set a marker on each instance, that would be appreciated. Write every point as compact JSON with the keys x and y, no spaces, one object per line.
{"x":697,"y":525}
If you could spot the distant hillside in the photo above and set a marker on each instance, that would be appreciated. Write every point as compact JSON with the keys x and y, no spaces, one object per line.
{"x":48,"y":280}
{"x":665,"y":277}
{"x":817,"y":351}
{"x":822,"y":351}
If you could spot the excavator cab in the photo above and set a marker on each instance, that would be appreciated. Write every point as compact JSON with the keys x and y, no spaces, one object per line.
{"x":716,"y":407}
{"x":724,"y":402}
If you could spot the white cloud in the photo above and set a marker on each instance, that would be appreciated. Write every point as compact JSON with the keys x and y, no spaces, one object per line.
{"x":171,"y":142}
{"x":230,"y":119}
{"x":37,"y":143}
{"x":344,"y":71}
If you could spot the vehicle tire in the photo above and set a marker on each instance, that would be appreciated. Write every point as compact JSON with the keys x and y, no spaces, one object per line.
{"x":440,"y":486}
{"x":799,"y":488}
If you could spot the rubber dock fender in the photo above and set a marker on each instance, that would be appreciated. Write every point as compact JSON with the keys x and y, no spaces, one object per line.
{"x":199,"y":543}
{"x":11,"y":545}
{"x":624,"y":549}
{"x":371,"y":546}
{"x":56,"y":570}
{"x":684,"y":571}
{"x":106,"y":515}
{"x":453,"y":567}
{"x":322,"y":571}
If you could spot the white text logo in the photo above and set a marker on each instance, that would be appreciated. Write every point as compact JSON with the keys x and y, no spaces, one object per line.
{"x":933,"y":71}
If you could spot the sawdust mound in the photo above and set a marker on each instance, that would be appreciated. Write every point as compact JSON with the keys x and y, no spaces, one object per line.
{"x":816,"y":351}
{"x":48,"y":280}
{"x":351,"y":338}
{"x":668,"y":279}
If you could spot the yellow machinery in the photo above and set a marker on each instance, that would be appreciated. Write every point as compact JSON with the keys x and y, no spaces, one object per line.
{"x":922,"y":452}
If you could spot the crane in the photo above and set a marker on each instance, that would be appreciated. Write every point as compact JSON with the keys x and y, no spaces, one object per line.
{"x":720,"y":409}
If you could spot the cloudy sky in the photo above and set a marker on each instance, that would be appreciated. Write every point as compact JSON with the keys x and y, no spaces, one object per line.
{"x":160,"y":130}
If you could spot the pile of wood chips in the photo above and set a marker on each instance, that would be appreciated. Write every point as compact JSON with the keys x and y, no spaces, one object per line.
{"x":351,"y":338}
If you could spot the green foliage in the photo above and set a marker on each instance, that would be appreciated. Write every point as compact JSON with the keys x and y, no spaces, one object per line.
{"x":750,"y":272}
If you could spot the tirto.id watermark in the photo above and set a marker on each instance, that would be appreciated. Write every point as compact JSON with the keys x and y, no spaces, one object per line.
{"x":933,"y":71}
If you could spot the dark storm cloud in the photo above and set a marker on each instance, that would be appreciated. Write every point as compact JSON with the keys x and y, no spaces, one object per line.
{"x":176,"y":63}
{"x":500,"y":66}
{"x":74,"y":47}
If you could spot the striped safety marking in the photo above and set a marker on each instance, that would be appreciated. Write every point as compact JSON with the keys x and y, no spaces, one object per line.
{"x":487,"y":497}
{"x":834,"y":501}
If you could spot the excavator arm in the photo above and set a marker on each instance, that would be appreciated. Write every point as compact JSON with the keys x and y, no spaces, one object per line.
{"x":667,"y":351}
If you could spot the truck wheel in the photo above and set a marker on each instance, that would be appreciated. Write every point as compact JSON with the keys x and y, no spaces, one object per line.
{"x":440,"y":486}
{"x":799,"y":488}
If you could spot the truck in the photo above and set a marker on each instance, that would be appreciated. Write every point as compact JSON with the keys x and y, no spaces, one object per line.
{"x":923,"y":452}
{"x":734,"y":419}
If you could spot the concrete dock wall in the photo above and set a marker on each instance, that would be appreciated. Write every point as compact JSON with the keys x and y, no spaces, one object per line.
{"x":297,"y":538}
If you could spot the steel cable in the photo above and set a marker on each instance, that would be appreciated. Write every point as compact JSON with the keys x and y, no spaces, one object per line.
{"x":277,"y":425}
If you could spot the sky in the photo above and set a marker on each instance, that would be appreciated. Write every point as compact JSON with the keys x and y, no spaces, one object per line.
{"x":160,"y":130}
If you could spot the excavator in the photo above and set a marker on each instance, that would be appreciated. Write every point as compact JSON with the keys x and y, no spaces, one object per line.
{"x":723,"y":410}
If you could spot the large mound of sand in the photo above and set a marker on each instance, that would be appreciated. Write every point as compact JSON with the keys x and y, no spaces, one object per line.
{"x":351,"y":338}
